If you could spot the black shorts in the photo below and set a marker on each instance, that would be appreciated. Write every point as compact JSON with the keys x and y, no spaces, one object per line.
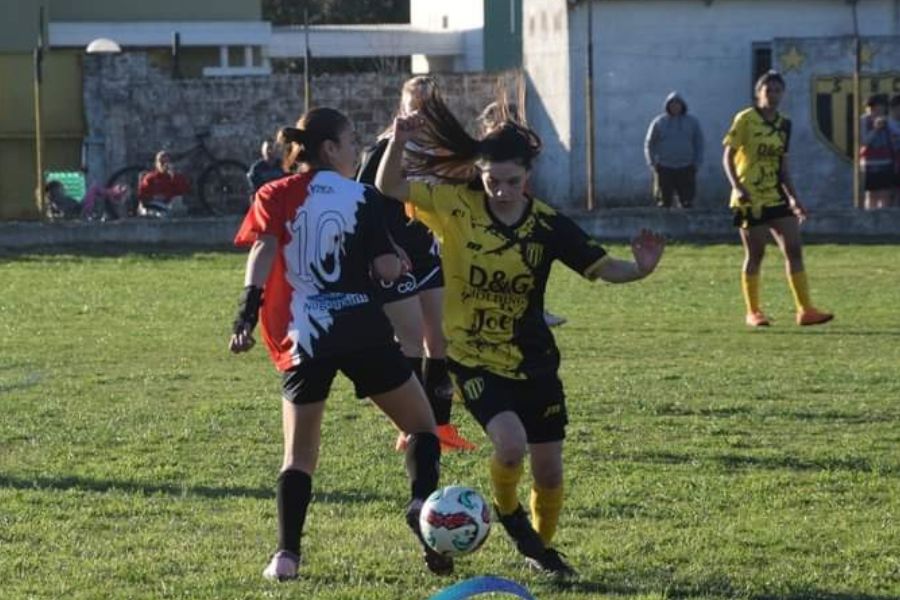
{"x":876,"y":181}
{"x":372,"y":371}
{"x":539,"y":403}
{"x":746,"y":220}
{"x":426,"y":275}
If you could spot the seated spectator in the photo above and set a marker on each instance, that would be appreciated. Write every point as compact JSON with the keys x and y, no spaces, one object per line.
{"x":268,"y":168}
{"x":161,"y":192}
{"x":59,"y":204}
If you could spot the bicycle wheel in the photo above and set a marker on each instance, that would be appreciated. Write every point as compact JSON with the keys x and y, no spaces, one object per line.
{"x":224,"y":189}
{"x":128,"y":178}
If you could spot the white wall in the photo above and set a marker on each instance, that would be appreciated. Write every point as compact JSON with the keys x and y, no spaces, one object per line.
{"x":645,"y":48}
{"x":466,"y":16}
{"x":545,"y":38}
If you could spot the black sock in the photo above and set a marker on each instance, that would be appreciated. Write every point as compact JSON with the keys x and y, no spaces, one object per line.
{"x":292,"y":495}
{"x":415,"y":363}
{"x":438,"y":388}
{"x":423,"y":464}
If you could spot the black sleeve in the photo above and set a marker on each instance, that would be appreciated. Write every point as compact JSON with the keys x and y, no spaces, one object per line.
{"x":575,"y":248}
{"x":375,"y":231}
{"x":368,"y":164}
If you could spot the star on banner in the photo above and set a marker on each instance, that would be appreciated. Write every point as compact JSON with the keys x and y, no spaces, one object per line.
{"x":791,"y":60}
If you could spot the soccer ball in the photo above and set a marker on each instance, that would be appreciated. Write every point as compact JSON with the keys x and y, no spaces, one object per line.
{"x":455,"y":520}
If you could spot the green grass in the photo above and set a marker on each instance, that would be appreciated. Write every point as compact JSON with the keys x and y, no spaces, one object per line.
{"x":137,"y":457}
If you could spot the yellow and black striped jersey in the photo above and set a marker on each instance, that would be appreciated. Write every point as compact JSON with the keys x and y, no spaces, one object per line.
{"x":759,"y":146}
{"x":496,"y":274}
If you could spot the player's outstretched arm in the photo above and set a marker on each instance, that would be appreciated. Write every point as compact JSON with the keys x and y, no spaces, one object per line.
{"x":259,"y":263}
{"x":390,"y":180}
{"x":647,"y":248}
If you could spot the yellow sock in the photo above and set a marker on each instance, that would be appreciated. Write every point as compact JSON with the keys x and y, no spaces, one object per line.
{"x":546,"y":503}
{"x":504,"y":481}
{"x":800,"y":289}
{"x":750,"y":287}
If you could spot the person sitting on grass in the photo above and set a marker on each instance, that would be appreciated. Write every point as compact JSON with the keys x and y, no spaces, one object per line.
{"x":161,"y":192}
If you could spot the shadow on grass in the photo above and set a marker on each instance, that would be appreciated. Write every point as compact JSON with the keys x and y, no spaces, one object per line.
{"x":66,"y":483}
{"x":741,"y":461}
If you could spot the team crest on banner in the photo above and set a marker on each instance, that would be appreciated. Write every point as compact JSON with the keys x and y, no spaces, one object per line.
{"x":534,"y":254}
{"x":832,"y":108}
{"x":473,"y":388}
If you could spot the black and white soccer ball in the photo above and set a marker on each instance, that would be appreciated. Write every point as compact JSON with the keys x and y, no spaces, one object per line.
{"x":455,"y":520}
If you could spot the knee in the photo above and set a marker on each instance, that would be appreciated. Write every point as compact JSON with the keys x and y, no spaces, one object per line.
{"x":510,"y":453}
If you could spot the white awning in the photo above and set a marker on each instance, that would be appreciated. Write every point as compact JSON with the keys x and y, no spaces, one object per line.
{"x":159,"y":33}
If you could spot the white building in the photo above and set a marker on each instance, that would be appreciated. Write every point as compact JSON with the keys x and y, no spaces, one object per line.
{"x":710,"y":51}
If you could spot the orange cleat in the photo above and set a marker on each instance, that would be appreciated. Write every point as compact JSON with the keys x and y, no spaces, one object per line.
{"x":813,"y":317}
{"x":450,"y":439}
{"x":757,"y":319}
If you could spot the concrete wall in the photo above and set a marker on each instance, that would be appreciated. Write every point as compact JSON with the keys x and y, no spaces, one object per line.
{"x":134,"y":109}
{"x":645,"y":48}
{"x":545,"y":57}
{"x":460,"y":15}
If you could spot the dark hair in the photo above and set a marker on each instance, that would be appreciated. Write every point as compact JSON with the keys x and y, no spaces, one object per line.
{"x":303,"y":142}
{"x":52,"y":185}
{"x":496,"y":113}
{"x":877,"y":100}
{"x":446,"y":146}
{"x":767,"y":78}
{"x":895,"y":100}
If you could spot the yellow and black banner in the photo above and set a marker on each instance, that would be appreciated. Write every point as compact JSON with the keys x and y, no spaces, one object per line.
{"x":833,"y":105}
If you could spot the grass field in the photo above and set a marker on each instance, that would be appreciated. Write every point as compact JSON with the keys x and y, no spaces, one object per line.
{"x":137,"y":458}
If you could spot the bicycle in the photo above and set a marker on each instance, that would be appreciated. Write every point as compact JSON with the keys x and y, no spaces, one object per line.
{"x":222,"y":188}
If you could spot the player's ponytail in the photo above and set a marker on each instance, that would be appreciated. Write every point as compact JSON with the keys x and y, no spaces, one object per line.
{"x":303,"y":142}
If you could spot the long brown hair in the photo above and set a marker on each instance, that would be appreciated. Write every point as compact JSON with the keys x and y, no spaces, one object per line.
{"x":303,"y":143}
{"x":446,"y":146}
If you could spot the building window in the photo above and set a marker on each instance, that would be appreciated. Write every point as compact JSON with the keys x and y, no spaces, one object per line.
{"x":762,"y":62}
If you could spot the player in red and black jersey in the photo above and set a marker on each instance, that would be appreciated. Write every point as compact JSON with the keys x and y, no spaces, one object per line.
{"x":413,"y":302}
{"x":317,"y":238}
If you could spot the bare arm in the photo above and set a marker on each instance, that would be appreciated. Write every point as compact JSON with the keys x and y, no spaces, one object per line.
{"x":784,"y":176}
{"x":259,"y":264}
{"x":389,"y":179}
{"x":731,"y":173}
{"x":647,"y":248}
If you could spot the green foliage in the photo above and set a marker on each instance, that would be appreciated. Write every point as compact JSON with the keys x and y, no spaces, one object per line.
{"x":329,"y":12}
{"x":137,"y":457}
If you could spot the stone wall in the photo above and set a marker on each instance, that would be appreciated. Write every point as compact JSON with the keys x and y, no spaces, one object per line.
{"x":134,"y":109}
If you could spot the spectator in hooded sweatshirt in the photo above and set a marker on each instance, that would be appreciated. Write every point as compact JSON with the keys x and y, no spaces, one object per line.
{"x":674,"y":151}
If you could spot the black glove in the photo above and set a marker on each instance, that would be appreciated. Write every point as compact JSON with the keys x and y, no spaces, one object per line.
{"x":248,"y":309}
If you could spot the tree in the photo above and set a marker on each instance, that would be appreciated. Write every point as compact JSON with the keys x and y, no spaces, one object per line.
{"x":290,"y":12}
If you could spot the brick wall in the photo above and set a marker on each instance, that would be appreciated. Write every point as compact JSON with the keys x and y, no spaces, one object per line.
{"x":134,"y":109}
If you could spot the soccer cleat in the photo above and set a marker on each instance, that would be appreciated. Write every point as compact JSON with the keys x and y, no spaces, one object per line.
{"x":813,"y":317}
{"x":553,"y":320}
{"x":436,"y":563}
{"x":757,"y":319}
{"x":519,"y":528}
{"x":402,"y":442}
{"x":282,"y":567}
{"x":451,"y":440}
{"x":552,"y":564}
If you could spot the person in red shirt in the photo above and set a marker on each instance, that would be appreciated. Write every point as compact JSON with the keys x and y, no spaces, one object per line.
{"x":161,"y":192}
